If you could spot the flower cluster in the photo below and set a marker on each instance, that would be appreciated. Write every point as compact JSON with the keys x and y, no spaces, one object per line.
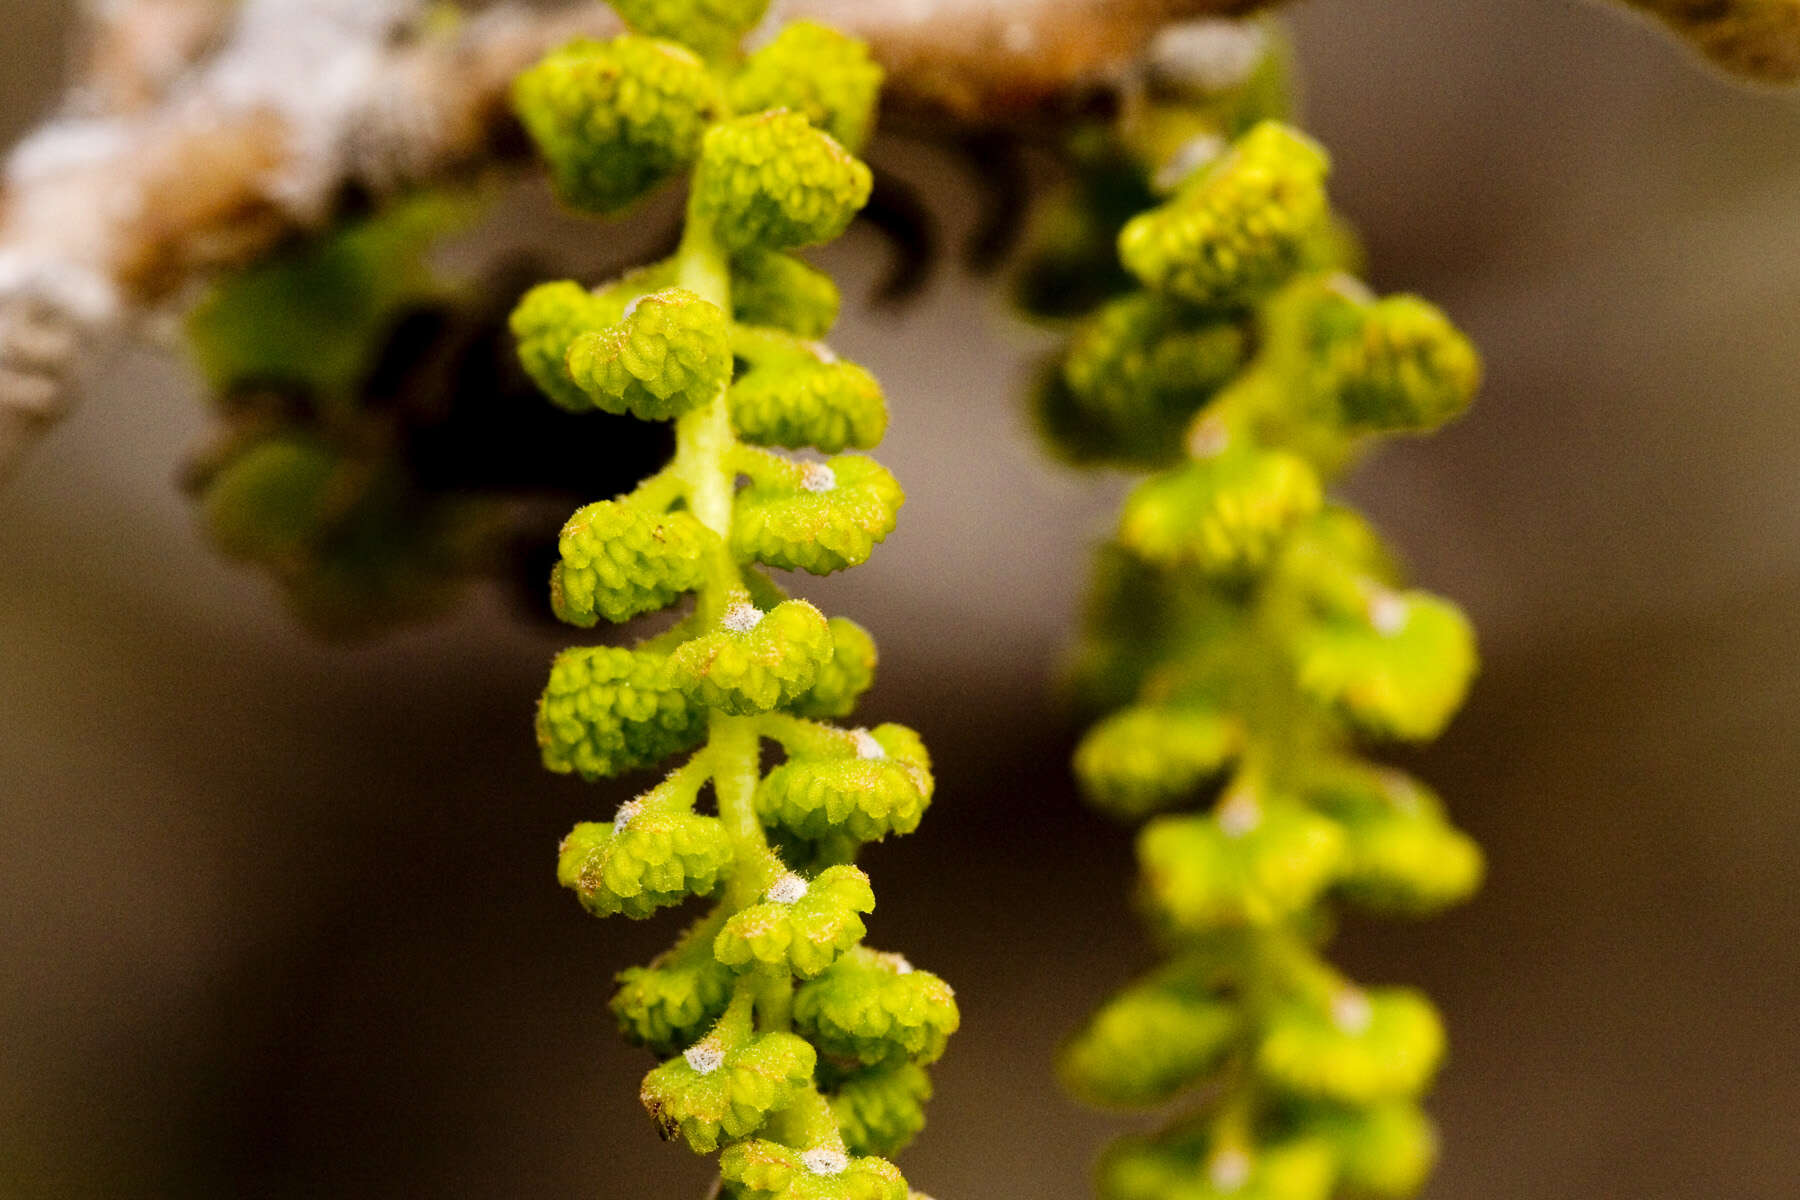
{"x":787,"y":1042}
{"x":1246,"y":634}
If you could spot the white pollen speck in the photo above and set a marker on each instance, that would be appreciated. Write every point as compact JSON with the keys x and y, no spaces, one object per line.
{"x":1229,"y":1170}
{"x":632,"y":307}
{"x":897,"y":963}
{"x":787,"y":889}
{"x":705,"y":1057}
{"x":817,"y":477}
{"x":866,"y":745}
{"x":1351,"y":1011}
{"x":1387,"y":612}
{"x":1239,"y":814}
{"x":1208,"y":439}
{"x":627,"y":813}
{"x":822,"y":352}
{"x":1193,"y":154}
{"x":742,"y":618}
{"x":825,"y":1161}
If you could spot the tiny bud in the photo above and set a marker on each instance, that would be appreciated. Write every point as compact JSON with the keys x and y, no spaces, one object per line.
{"x":742,"y":618}
{"x":1351,"y":1011}
{"x":817,"y":477}
{"x":1388,"y":613}
{"x":788,"y":889}
{"x":1229,"y":1170}
{"x":705,"y":1057}
{"x":866,"y":745}
{"x":1239,"y":814}
{"x":825,"y":1161}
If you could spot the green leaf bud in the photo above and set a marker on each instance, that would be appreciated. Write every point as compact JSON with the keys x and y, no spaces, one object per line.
{"x":800,"y":926}
{"x":1384,"y":1044}
{"x":774,"y":181}
{"x":1338,"y":563}
{"x":275,"y":499}
{"x":881,"y":1111}
{"x":1245,"y":866}
{"x":619,"y":561}
{"x":1384,"y":1152}
{"x":1400,"y":854}
{"x":1186,"y":1167}
{"x":777,"y":290}
{"x":608,"y":710}
{"x":817,"y":517}
{"x":816,"y":71}
{"x":725,"y":1086}
{"x":808,"y":398}
{"x":670,"y":354}
{"x":878,"y":783}
{"x":646,"y":859}
{"x":615,"y":119}
{"x":844,"y":679}
{"x":673,"y":1001}
{"x":877,"y":1010}
{"x":761,"y":1170}
{"x":1143,"y":759}
{"x":1239,"y":226}
{"x":1225,"y":515}
{"x":1147,"y":1043}
{"x":711,"y":27}
{"x":755,"y":661}
{"x":1402,"y":673}
{"x":548,"y":318}
{"x":1394,"y":364}
{"x":1138,"y":369}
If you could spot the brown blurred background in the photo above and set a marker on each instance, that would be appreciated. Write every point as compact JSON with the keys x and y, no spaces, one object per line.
{"x":279,"y":920}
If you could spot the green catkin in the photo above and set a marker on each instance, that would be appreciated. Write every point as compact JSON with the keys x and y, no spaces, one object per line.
{"x":1245,"y":635}
{"x":786,"y":1044}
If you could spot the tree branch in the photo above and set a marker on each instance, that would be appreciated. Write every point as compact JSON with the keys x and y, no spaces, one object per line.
{"x":205,"y":131}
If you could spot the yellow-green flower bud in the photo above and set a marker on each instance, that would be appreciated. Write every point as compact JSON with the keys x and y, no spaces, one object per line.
{"x":876,"y":1010}
{"x":760,"y":1170}
{"x":1384,"y":1044}
{"x":1148,"y":1043}
{"x":1395,"y":364}
{"x":779,"y":291}
{"x":844,"y":679}
{"x":614,"y":119}
{"x":1384,"y":1152}
{"x":755,"y":661}
{"x":881,"y":1111}
{"x":1225,"y":515}
{"x":275,"y":499}
{"x":607,"y":710}
{"x":1401,"y":673}
{"x":1187,"y":1167}
{"x":1246,"y":866}
{"x":818,"y":517}
{"x":669,"y":1004}
{"x":619,"y":561}
{"x":671,"y":353}
{"x":808,"y":398}
{"x":712,"y":27}
{"x":1143,"y":759}
{"x":801,"y":925}
{"x":649,"y":858}
{"x":1240,"y":226}
{"x":724,"y":1087}
{"x":1138,"y":369}
{"x":548,"y":318}
{"x":816,"y":71}
{"x":775,"y":182}
{"x":1400,"y":853}
{"x":876,"y":783}
{"x":1338,"y":563}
